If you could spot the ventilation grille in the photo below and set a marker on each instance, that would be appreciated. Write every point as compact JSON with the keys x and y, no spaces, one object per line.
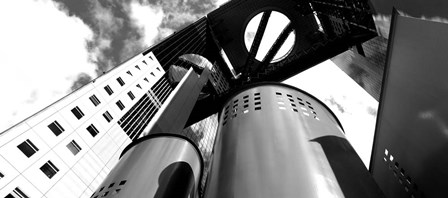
{"x":252,"y":102}
{"x":249,"y":102}
{"x":296,"y":104}
{"x":400,"y":174}
{"x":109,"y":191}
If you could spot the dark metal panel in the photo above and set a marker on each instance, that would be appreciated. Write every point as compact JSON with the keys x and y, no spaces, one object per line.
{"x":409,"y":155}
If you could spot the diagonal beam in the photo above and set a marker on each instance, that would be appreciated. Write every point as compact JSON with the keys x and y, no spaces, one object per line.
{"x":277,"y":45}
{"x":257,"y":40}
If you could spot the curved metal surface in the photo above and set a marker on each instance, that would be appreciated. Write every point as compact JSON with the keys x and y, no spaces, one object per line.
{"x":270,"y":145}
{"x":250,"y":86}
{"x":159,"y":166}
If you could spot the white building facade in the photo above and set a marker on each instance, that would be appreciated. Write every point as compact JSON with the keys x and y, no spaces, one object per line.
{"x":68,"y":148}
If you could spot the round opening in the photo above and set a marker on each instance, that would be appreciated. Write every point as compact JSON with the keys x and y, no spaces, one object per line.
{"x":276,"y":24}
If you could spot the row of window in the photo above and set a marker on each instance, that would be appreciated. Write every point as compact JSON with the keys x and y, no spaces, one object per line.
{"x":121,"y":81}
{"x":29,"y":149}
{"x":77,"y":112}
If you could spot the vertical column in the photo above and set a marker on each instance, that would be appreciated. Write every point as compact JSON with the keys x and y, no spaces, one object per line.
{"x":162,"y":165}
{"x":278,"y":141}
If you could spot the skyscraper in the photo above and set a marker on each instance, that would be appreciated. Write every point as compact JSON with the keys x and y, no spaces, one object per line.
{"x":69,"y":147}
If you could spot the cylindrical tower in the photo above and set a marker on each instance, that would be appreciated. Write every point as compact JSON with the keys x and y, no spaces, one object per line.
{"x":275,"y":140}
{"x":161,"y":165}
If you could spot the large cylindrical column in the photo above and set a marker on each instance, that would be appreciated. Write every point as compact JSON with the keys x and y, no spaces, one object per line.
{"x":278,"y":141}
{"x":159,"y":166}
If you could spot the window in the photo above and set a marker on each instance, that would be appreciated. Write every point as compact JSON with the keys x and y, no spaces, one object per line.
{"x":120,"y":81}
{"x":49,"y":169}
{"x":129,"y":72}
{"x":131,"y":95}
{"x":1,"y":175}
{"x":120,"y":105}
{"x":92,"y":130}
{"x":28,"y":148}
{"x":138,"y":66}
{"x":107,"y":116}
{"x":94,"y":100}
{"x":144,"y":62}
{"x":138,"y":85}
{"x":108,"y":90}
{"x":122,"y":182}
{"x":146,"y":79}
{"x":56,"y":128}
{"x":77,"y":112}
{"x":74,"y":147}
{"x":17,"y":193}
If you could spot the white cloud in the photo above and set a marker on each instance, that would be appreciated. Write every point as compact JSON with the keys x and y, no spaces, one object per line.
{"x":148,"y":19}
{"x":42,"y":52}
{"x":220,"y":2}
{"x":108,"y":25}
{"x":326,"y":81}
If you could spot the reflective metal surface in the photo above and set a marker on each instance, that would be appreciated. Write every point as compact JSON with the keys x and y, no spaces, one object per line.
{"x":277,"y":141}
{"x":156,"y":166}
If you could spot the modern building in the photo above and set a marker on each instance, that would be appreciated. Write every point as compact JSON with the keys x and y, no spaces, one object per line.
{"x":177,"y":86}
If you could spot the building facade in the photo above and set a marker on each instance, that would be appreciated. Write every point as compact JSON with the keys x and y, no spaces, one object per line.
{"x":69,"y":147}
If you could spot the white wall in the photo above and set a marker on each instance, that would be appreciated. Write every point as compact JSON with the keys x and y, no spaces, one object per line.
{"x":79,"y":175}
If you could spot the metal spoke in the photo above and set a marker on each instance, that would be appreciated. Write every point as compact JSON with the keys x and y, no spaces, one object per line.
{"x":276,"y":47}
{"x":257,"y":40}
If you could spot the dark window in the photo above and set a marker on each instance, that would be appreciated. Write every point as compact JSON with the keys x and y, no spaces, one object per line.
{"x":17,"y":193}
{"x":49,"y":169}
{"x":120,"y":105}
{"x":9,"y":196}
{"x":94,"y":100}
{"x":28,"y":148}
{"x":108,"y":90}
{"x":138,"y":85}
{"x":144,"y":62}
{"x":110,"y":186}
{"x":120,"y":81}
{"x":74,"y":147}
{"x":145,"y":79}
{"x":122,"y":182}
{"x":92,"y":130}
{"x":56,"y":128}
{"x":129,"y":72}
{"x":131,"y":95}
{"x":77,"y":112}
{"x":1,"y":175}
{"x":107,"y":116}
{"x":138,"y":66}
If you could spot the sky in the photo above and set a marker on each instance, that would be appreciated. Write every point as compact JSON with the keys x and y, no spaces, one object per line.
{"x":50,"y":48}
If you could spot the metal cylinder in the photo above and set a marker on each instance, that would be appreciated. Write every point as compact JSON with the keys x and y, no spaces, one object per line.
{"x":275,"y":140}
{"x":161,"y":165}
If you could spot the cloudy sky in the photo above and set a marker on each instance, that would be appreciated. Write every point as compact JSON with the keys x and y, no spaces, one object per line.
{"x":49,"y":48}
